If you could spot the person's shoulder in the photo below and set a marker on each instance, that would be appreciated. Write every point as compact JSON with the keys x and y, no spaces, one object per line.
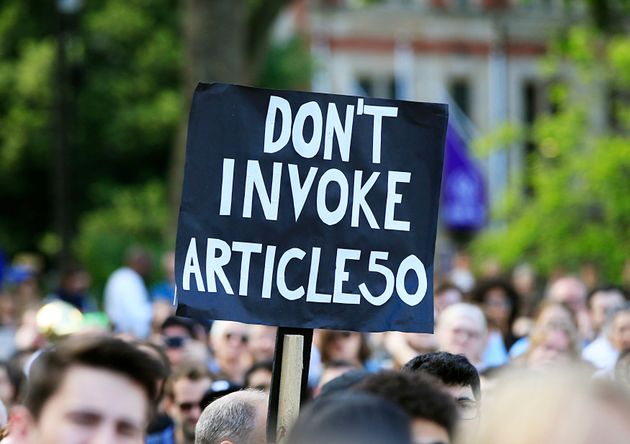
{"x":123,"y":273}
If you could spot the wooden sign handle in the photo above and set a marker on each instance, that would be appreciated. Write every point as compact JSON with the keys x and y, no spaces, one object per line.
{"x":289,"y":385}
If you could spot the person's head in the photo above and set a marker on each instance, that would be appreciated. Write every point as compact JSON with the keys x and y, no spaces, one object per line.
{"x":553,"y":313}
{"x":560,"y":407}
{"x":602,"y":301}
{"x":461,"y":329}
{"x":446,"y":294}
{"x":589,"y":274}
{"x":458,"y":375}
{"x":167,"y":261}
{"x":619,"y":334}
{"x":552,"y":344}
{"x":139,"y":259}
{"x":350,"y":346}
{"x":75,"y":280}
{"x":184,"y":392}
{"x":351,"y":418}
{"x":88,"y":389}
{"x":229,"y":340}
{"x":175,"y":332}
{"x":524,"y":280}
{"x":571,"y":291}
{"x":262,"y":342}
{"x":499,"y":302}
{"x":431,"y":409}
{"x":237,"y":418}
{"x":259,"y":376}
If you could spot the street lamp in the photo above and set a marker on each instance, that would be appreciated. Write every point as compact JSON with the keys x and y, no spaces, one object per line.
{"x":65,"y":10}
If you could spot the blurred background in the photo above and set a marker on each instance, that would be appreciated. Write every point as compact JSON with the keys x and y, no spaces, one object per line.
{"x":94,"y":97}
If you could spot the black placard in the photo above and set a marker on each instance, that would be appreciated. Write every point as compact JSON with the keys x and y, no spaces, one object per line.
{"x":310,"y":210}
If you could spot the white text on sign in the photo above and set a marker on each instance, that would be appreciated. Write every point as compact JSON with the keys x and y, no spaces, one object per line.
{"x":351,"y":186}
{"x":219,"y":254}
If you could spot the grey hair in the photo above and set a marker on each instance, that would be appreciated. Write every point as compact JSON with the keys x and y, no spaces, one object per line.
{"x":232,"y":417}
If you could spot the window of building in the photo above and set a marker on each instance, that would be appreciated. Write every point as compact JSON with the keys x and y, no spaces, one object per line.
{"x":531,"y":99}
{"x":383,"y":86}
{"x":460,"y":93}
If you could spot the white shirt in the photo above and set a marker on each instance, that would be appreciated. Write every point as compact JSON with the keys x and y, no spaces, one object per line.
{"x":127,"y":303}
{"x":600,"y":353}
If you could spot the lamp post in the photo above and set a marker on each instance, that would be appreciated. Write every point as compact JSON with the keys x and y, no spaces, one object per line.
{"x":61,"y":164}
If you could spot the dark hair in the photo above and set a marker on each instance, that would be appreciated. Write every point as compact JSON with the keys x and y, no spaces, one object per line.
{"x":351,"y":418}
{"x":16,"y":378}
{"x":194,"y":371}
{"x":483,"y":288}
{"x":449,"y":368}
{"x":164,"y":371}
{"x":326,"y":336}
{"x":418,"y":394}
{"x":260,"y":365}
{"x":176,"y":321}
{"x":605,"y":288}
{"x":102,"y":352}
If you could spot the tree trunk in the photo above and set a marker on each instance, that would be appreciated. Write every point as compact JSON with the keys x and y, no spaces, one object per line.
{"x":213,"y":32}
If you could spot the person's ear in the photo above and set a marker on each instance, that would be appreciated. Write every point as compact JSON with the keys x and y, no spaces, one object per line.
{"x":21,"y":423}
{"x":169,"y":406}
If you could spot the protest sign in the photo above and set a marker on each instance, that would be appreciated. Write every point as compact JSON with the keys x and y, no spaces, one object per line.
{"x":310,"y":210}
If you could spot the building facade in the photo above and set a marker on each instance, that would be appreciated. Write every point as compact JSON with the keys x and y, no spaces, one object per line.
{"x":481,"y":56}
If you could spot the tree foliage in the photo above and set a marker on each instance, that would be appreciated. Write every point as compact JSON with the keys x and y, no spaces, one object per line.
{"x":123,"y":64}
{"x":580,"y":207}
{"x":130,"y":69}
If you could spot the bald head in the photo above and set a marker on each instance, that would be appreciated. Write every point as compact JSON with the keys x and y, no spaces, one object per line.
{"x":237,"y":418}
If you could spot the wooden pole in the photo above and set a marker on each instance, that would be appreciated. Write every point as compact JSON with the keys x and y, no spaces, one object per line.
{"x":290,"y":385}
{"x":290,"y":381}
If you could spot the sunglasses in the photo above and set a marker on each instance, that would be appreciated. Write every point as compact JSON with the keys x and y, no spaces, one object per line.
{"x":242,"y":338}
{"x":174,"y":341}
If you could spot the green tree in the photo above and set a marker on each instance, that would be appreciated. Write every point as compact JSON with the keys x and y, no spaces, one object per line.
{"x":580,"y":207}
{"x":129,"y":70}
{"x":122,"y":100}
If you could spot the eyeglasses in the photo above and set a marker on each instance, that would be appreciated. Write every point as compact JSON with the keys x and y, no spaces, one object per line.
{"x":242,"y":338}
{"x":467,"y":409}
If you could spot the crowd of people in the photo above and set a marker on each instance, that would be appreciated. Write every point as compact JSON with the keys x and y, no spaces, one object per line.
{"x":513,"y":359}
